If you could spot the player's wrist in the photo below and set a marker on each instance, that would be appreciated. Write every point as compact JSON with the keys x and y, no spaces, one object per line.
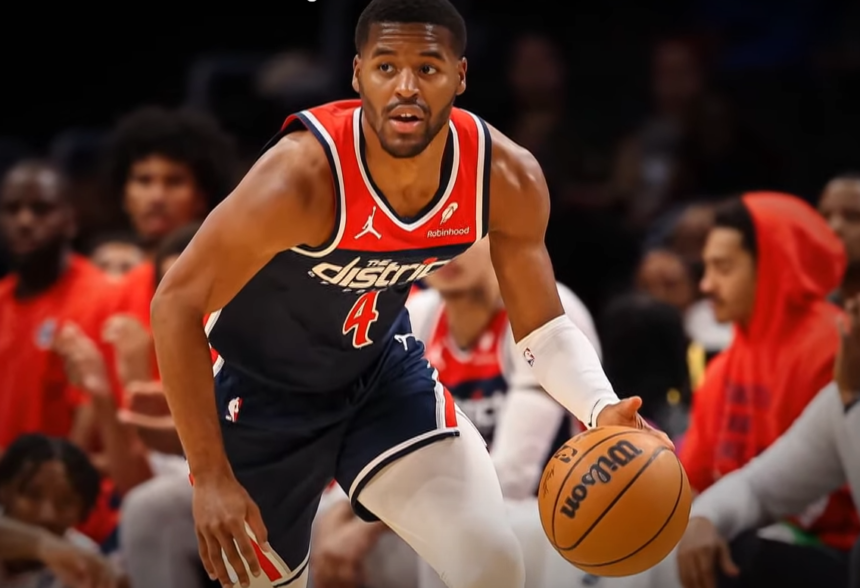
{"x":211,"y":473}
{"x":602,"y":403}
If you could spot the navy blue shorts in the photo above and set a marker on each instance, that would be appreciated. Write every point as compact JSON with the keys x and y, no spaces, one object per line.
{"x":285,"y":448}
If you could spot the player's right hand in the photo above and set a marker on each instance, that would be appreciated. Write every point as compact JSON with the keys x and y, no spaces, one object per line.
{"x":221,"y":508}
{"x":700,"y":551}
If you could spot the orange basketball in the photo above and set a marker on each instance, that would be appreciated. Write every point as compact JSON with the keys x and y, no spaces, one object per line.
{"x":614,"y":501}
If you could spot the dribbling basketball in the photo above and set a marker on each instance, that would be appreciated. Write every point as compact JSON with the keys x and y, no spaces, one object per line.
{"x":614,"y":501}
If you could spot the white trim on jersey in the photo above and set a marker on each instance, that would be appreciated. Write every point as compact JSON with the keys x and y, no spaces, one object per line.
{"x":341,"y":189}
{"x":452,"y":181}
{"x":479,"y":178}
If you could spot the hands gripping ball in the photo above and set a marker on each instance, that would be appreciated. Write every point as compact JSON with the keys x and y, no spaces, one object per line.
{"x":614,"y":501}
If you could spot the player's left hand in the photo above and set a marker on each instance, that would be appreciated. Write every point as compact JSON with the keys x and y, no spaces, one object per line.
{"x":626,"y":414}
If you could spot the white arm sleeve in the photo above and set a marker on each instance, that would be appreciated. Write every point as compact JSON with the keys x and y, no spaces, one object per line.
{"x":801,"y":467}
{"x":530,"y":420}
{"x":566,"y":362}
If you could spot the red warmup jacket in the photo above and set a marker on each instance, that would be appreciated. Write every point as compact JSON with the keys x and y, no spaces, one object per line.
{"x":757,"y":387}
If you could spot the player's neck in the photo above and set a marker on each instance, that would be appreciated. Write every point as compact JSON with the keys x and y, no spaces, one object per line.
{"x":408,"y":184}
{"x":39,"y":273}
{"x":469,"y":313}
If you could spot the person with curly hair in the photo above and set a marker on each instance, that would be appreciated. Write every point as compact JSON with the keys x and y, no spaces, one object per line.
{"x":169,"y":168}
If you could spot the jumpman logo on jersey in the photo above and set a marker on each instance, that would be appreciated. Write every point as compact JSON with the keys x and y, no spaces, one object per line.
{"x":368,"y":227}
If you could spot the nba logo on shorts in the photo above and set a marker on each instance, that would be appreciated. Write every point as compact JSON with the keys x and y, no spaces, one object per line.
{"x":233,"y":409}
{"x":530,"y":358}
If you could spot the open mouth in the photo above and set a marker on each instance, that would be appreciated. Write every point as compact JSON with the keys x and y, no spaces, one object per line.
{"x":406,"y":118}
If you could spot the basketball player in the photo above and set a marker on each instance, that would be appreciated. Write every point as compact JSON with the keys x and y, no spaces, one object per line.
{"x":320,"y":375}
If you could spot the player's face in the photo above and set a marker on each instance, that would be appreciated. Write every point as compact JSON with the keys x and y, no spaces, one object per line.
{"x":43,"y":497}
{"x":408,"y":76}
{"x":730,"y":276}
{"x":469,"y":271}
{"x":162,"y":195}
{"x":34,"y":216}
{"x":840,"y":206}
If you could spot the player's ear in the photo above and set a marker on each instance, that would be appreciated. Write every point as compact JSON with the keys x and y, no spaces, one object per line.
{"x":462,"y":66}
{"x":356,"y":65}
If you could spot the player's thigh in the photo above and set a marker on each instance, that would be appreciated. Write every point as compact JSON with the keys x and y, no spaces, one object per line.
{"x":404,"y":409}
{"x":283,"y":450}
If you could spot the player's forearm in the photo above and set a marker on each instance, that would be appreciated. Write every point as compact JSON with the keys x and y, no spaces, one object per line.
{"x":566,"y":365}
{"x":185,"y":364}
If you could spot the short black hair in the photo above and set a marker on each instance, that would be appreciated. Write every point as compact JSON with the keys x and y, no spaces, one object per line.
{"x":27,"y":453}
{"x":433,"y":12}
{"x":734,"y":214}
{"x":188,"y":137}
{"x":173,"y":244}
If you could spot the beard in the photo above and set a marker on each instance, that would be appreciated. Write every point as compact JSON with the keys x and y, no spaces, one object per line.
{"x":413,"y":147}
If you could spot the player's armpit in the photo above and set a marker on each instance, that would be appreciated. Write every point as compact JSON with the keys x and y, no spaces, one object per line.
{"x":519,"y":212}
{"x":285,"y":200}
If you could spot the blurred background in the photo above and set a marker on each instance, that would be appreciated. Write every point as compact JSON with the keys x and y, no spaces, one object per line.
{"x":642,"y":114}
{"x":632,"y":109}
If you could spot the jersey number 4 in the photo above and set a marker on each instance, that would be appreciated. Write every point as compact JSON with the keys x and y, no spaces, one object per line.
{"x":359,"y":318}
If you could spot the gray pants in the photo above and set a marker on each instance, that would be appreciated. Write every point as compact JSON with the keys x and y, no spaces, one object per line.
{"x":157,"y":535}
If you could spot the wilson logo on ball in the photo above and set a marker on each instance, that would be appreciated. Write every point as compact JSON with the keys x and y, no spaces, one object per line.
{"x":600,"y":472}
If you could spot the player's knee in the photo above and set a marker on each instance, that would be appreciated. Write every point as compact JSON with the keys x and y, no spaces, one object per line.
{"x":492,"y":543}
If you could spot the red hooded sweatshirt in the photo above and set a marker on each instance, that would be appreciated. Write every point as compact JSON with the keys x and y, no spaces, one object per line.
{"x":756,"y":388}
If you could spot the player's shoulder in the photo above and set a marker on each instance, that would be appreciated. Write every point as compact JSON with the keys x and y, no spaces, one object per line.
{"x":511,"y":164}
{"x":297,"y":154}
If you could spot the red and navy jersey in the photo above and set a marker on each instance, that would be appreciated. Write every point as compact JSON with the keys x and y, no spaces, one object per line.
{"x":309,"y":320}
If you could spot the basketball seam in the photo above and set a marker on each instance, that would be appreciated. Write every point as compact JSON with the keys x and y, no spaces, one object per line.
{"x":652,"y":539}
{"x":570,"y":473}
{"x":617,"y":498}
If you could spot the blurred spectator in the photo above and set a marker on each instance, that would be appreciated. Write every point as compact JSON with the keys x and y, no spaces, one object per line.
{"x":468,"y":340}
{"x":169,"y":168}
{"x":816,"y":456}
{"x":116,"y":253}
{"x":48,"y":484}
{"x":646,"y":354}
{"x":692,"y":145}
{"x":770,"y":262}
{"x":49,"y":288}
{"x":664,"y":275}
{"x":840,"y":207}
